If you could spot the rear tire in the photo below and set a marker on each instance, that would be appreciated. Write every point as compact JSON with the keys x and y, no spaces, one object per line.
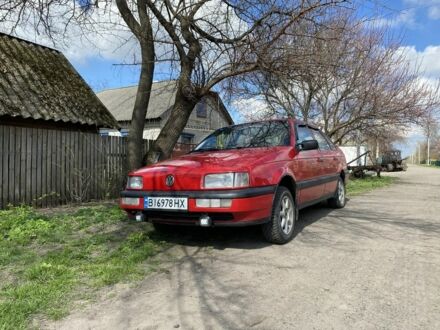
{"x":281,"y":227}
{"x":338,"y":202}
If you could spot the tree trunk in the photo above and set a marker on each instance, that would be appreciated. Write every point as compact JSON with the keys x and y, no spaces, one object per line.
{"x":135,"y":138}
{"x":165,"y":142}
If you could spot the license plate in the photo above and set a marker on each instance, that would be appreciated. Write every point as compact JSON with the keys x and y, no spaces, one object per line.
{"x":166,"y":203}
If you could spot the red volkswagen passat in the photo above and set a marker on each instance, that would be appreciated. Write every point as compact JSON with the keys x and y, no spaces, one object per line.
{"x":255,"y":173}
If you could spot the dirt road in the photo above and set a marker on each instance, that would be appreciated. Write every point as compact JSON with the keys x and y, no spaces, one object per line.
{"x":374,"y":264}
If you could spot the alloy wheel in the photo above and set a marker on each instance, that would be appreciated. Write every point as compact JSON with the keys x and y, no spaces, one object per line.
{"x":341,"y":193}
{"x":286,"y":215}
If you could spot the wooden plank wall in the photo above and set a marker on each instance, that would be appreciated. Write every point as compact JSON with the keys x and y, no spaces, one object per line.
{"x":44,"y":167}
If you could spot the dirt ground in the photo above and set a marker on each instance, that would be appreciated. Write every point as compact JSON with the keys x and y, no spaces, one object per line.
{"x":373,"y":265}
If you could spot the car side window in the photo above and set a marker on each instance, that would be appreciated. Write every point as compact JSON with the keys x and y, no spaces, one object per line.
{"x":303,"y":133}
{"x":322,"y":141}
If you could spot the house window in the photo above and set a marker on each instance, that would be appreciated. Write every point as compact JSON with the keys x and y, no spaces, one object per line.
{"x":186,"y":138}
{"x":201,"y":110}
{"x":103,"y":132}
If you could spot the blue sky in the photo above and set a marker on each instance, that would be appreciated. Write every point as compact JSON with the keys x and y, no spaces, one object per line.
{"x":418,"y":22}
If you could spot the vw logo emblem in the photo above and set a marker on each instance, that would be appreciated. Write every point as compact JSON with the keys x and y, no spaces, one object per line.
{"x":169,"y":180}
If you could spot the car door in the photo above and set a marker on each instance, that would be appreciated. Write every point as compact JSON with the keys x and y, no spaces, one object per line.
{"x":307,"y":168}
{"x":328,"y":161}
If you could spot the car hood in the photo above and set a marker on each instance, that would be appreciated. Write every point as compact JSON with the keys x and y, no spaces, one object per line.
{"x":189,"y":170}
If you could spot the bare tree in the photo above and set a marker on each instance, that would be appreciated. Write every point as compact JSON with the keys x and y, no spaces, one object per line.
{"x":142,"y":29}
{"x":430,"y":126}
{"x":216,"y":40}
{"x":435,"y":145}
{"x":351,"y":79}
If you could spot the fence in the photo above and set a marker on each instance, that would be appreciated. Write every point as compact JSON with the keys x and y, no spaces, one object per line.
{"x":46,"y":167}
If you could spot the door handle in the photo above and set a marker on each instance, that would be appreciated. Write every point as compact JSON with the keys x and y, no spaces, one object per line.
{"x":335,"y":158}
{"x":320,"y":160}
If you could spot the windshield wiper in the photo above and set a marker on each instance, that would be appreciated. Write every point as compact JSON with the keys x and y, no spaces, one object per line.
{"x":207,"y":149}
{"x":240,"y":147}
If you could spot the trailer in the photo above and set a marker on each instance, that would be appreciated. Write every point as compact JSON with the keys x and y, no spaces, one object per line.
{"x":352,"y":153}
{"x":358,"y":171}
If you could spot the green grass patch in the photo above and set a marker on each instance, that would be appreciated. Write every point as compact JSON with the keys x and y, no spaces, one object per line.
{"x":49,"y":261}
{"x":362,"y":185}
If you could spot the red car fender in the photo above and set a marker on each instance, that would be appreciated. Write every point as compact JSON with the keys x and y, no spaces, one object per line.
{"x":285,"y":173}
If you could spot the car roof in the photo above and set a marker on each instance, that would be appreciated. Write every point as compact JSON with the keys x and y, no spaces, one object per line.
{"x":295,"y":121}
{"x":301,"y":122}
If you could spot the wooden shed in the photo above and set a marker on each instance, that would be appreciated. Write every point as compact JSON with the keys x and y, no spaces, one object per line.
{"x":50,"y":149}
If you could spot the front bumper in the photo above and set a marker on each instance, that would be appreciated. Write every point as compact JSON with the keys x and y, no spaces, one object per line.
{"x":249,"y":206}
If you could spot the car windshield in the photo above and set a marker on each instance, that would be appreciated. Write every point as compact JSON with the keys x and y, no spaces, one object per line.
{"x":262,"y":134}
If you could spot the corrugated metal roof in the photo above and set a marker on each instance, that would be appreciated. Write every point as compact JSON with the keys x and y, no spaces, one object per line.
{"x":39,"y":82}
{"x":120,"y":101}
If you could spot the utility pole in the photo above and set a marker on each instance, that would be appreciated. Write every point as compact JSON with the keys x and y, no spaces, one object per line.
{"x":428,"y":136}
{"x":377,"y":148}
{"x":429,"y":158}
{"x":418,"y":146}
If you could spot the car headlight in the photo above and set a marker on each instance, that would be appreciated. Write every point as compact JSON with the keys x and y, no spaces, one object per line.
{"x":135,"y":182}
{"x":226,"y":180}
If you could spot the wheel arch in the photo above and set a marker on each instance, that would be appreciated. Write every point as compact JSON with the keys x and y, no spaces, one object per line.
{"x":289,"y":182}
{"x":342,"y":175}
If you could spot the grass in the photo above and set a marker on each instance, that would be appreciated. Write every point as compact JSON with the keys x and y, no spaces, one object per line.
{"x":49,"y":261}
{"x":362,"y":185}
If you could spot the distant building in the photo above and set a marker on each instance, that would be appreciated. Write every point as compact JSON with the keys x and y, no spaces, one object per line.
{"x":208,"y":115}
{"x":40,"y":88}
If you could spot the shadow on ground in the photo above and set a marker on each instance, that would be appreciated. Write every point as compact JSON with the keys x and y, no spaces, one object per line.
{"x":238,"y":237}
{"x":366,"y":222}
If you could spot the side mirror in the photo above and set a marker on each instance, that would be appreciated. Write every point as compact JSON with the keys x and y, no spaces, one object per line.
{"x":308,"y":145}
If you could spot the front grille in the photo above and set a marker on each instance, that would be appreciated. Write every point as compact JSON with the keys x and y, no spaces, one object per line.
{"x":193,"y":216}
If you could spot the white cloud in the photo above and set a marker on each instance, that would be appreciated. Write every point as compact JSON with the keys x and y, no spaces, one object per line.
{"x":413,"y":132}
{"x":103,"y":34}
{"x":428,"y":59}
{"x":251,"y":109}
{"x":106,"y":36}
{"x":423,"y":3}
{"x":434,"y":12}
{"x":404,"y":18}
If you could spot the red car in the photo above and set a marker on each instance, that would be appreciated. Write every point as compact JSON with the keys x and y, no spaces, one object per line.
{"x":255,"y":173}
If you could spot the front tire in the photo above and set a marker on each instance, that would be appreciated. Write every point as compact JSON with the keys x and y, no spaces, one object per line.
{"x":339,"y":200}
{"x":281,"y":227}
